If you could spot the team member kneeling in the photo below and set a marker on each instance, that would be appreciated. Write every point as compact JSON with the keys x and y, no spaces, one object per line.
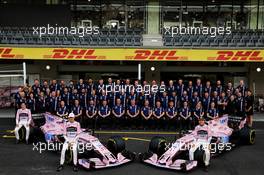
{"x":71,"y":131}
{"x":203,"y":137}
{"x":23,"y":118}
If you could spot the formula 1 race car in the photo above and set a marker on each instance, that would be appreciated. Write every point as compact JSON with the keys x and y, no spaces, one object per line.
{"x":98,"y":155}
{"x":227,"y":132}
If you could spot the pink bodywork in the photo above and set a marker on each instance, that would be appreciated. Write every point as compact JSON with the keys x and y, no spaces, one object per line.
{"x":219,"y":128}
{"x":54,"y":126}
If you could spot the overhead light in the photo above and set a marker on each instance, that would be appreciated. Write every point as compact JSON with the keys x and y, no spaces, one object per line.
{"x":258,"y":69}
{"x":48,"y":67}
{"x":152,"y":68}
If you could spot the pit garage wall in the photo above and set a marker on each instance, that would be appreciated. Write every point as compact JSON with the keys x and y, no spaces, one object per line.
{"x":256,"y":78}
{"x":60,"y":71}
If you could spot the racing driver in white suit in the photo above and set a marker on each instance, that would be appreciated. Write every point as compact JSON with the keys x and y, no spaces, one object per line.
{"x":203,"y":137}
{"x":71,"y":131}
{"x":23,"y":118}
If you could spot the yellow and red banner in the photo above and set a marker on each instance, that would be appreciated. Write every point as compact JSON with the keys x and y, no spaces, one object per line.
{"x":129,"y":54}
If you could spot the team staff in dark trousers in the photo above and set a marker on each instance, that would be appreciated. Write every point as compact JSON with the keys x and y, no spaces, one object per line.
{"x":171,"y":113}
{"x":146,"y":113}
{"x":77,"y":110}
{"x":91,"y":114}
{"x":185,"y":117}
{"x":249,"y":100}
{"x":240,"y":105}
{"x":158,"y":114}
{"x":132,"y":112}
{"x":103,"y":112}
{"x":118,"y":111}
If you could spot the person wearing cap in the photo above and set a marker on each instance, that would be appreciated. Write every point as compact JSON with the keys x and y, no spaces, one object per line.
{"x":71,"y":133}
{"x":203,"y":136}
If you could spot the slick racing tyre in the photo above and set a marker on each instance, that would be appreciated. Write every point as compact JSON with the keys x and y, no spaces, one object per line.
{"x":247,"y":135}
{"x":116,"y":144}
{"x":157,"y":145}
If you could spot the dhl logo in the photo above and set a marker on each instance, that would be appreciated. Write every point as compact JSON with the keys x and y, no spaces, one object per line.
{"x":157,"y":55}
{"x":237,"y":56}
{"x":7,"y":53}
{"x":74,"y":54}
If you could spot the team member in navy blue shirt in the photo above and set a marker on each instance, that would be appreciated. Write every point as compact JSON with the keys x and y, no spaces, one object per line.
{"x":199,"y":88}
{"x":208,"y":88}
{"x":164,"y":99}
{"x":104,"y":111}
{"x":91,"y":112}
{"x":62,"y":110}
{"x":75,"y":96}
{"x":197,"y":114}
{"x":185,"y":117}
{"x":180,"y":87}
{"x":66,"y":97}
{"x":190,"y":89}
{"x":194,"y":100}
{"x":212,"y":112}
{"x":146,"y":113}
{"x":76,"y":109}
{"x":171,"y":88}
{"x":206,"y":102}
{"x":158,"y":114}
{"x":41,"y":103}
{"x":132,"y":112}
{"x":171,"y":113}
{"x":118,"y":111}
{"x":31,"y":103}
{"x":53,"y":102}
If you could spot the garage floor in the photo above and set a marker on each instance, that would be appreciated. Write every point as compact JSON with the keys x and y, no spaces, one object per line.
{"x":21,"y":159}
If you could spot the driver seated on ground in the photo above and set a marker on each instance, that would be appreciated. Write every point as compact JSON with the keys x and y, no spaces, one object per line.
{"x":71,"y":131}
{"x":203,"y":137}
{"x":23,"y":118}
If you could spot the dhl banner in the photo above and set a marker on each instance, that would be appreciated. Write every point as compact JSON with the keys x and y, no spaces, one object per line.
{"x":129,"y":54}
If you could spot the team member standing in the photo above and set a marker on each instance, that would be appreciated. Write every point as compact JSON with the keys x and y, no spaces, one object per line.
{"x":23,"y":118}
{"x":212,"y":112}
{"x":31,"y":103}
{"x":240,"y":105}
{"x":146,"y":113}
{"x":76,"y":110}
{"x":197,"y":113}
{"x":62,"y":110}
{"x":222,"y":103}
{"x":118,"y":111}
{"x":203,"y":138}
{"x":71,"y":131}
{"x":132,"y":112}
{"x":158,"y":114}
{"x":90,"y":113}
{"x":171,"y":113}
{"x":185,"y":117}
{"x":249,"y":100}
{"x":104,"y":111}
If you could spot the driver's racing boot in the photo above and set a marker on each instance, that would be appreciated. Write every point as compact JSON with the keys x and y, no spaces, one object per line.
{"x":60,"y":167}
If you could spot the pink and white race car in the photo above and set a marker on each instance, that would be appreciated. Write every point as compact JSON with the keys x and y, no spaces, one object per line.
{"x":95,"y":155}
{"x":227,"y":132}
